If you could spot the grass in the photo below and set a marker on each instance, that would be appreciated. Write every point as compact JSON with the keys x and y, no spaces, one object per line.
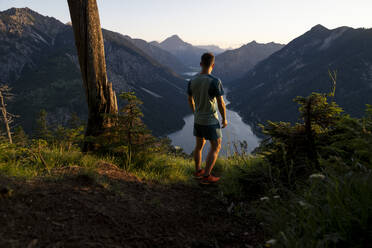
{"x":157,"y":167}
{"x":29,"y":163}
{"x":334,"y":211}
{"x":331,"y":210}
{"x":233,"y":171}
{"x":163,"y":168}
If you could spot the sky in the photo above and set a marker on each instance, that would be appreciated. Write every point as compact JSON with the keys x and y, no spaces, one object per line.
{"x":227,"y":23}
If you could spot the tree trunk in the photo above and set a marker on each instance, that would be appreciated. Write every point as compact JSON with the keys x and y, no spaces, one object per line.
{"x":90,"y":47}
{"x":5,"y":116}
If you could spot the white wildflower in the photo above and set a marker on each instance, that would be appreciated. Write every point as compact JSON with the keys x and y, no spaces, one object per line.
{"x":276,"y":196}
{"x":265,"y":198}
{"x":318,"y":175}
{"x":304,"y":204}
{"x":230,"y":209}
{"x":270,"y":242}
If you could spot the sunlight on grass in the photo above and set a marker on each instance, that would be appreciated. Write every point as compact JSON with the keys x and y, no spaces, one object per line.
{"x":164,"y":169}
{"x":25,"y":163}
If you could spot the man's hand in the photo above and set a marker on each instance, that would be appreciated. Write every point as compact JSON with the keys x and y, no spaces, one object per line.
{"x":191,"y":102}
{"x":224,"y":123}
{"x":222,"y":109}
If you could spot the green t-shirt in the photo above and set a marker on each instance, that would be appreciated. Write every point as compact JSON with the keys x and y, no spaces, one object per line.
{"x":204,"y":89}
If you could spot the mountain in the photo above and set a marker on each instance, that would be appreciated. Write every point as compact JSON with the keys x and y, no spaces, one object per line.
{"x":213,"y":49}
{"x":162,"y":56}
{"x":185,"y":52}
{"x":39,"y":61}
{"x":233,"y":64}
{"x":23,"y":33}
{"x":301,"y":67}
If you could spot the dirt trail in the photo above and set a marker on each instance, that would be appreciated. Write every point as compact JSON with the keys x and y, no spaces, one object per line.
{"x":79,"y":212}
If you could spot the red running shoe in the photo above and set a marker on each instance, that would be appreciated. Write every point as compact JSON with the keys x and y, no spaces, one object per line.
{"x":199,"y":174}
{"x":209,"y":179}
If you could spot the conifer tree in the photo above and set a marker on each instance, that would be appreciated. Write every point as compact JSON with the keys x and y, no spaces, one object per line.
{"x":130,"y":120}
{"x":128,"y":134}
{"x":294,"y":149}
{"x":42,"y":130}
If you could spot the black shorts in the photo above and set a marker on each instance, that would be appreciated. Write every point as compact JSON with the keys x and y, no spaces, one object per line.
{"x":208,"y":132}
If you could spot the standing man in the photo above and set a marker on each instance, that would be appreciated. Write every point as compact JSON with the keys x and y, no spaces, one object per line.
{"x":205,"y":95}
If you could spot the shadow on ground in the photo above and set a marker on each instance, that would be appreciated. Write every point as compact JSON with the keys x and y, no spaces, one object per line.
{"x":115,"y":209}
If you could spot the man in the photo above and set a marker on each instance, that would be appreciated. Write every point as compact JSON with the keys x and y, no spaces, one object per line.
{"x":205,"y":95}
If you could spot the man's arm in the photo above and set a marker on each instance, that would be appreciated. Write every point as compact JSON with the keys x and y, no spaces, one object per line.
{"x":222,"y":109}
{"x":191,"y":103}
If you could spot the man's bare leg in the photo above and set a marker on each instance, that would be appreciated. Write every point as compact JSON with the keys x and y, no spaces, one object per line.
{"x":200,"y":142}
{"x":212,"y":156}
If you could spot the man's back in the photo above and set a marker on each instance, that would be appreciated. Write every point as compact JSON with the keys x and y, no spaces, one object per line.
{"x":204,"y":89}
{"x":205,"y":96}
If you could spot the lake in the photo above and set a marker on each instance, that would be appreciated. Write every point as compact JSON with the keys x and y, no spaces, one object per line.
{"x":236,"y":131}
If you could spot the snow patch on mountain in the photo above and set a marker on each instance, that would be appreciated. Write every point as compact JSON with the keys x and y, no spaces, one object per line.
{"x":151,"y":93}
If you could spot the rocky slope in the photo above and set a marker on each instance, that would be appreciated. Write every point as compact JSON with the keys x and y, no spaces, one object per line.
{"x":23,"y":33}
{"x":233,"y":64}
{"x":301,"y":67}
{"x":39,"y":61}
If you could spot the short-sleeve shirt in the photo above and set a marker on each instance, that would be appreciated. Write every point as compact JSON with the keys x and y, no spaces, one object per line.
{"x":204,"y":89}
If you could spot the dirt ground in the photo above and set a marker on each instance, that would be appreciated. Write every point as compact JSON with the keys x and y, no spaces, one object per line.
{"x":76,"y":211}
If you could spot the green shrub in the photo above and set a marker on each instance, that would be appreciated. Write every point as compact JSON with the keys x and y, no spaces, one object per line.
{"x":243,"y":177}
{"x":332,"y":212}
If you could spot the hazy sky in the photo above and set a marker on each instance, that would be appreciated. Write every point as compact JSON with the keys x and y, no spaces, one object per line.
{"x":222,"y":22}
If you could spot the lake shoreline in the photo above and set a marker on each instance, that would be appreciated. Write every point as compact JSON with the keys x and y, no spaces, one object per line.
{"x":237,"y":131}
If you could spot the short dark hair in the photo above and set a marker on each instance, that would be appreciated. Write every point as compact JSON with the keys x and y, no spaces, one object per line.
{"x":207,"y":59}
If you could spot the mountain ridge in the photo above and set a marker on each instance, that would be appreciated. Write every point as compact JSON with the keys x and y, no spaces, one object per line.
{"x":233,"y":64}
{"x":300,"y":68}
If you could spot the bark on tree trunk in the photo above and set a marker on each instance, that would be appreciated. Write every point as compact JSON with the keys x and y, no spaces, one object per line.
{"x":90,"y":47}
{"x":5,"y":117}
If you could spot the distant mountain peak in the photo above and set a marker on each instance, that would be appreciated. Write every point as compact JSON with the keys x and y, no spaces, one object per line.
{"x":175,"y":36}
{"x":20,"y":21}
{"x":174,"y":39}
{"x":319,"y":27}
{"x":255,"y":43}
{"x":19,"y":12}
{"x":24,"y":16}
